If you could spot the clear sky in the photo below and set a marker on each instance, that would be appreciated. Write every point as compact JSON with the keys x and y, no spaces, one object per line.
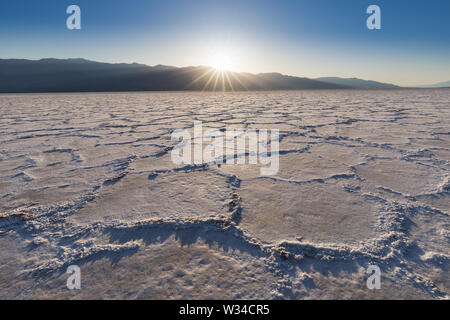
{"x":302,"y":37}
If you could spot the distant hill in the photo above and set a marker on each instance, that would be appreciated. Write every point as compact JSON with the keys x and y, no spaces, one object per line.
{"x":80,"y":75}
{"x":445,"y":84}
{"x":357,"y":83}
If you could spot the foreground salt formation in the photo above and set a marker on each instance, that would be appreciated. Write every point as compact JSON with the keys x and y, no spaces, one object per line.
{"x":87,"y":179}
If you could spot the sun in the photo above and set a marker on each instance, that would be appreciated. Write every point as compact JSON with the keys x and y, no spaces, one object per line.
{"x":222,"y":61}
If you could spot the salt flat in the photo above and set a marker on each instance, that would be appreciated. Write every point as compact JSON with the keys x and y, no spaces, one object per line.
{"x":364,"y":178}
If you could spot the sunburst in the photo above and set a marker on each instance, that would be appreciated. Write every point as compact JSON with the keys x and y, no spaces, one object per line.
{"x":220,"y":75}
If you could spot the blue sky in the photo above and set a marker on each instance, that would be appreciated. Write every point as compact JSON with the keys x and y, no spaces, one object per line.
{"x":303,"y":38}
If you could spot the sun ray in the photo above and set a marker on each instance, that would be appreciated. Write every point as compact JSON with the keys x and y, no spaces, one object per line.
{"x":223,"y":81}
{"x":239,"y":80}
{"x":215,"y":83}
{"x":198,"y":78}
{"x":229,"y":82}
{"x":209,"y":80}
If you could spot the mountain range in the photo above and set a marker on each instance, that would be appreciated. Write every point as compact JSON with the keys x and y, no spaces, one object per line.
{"x":80,"y":75}
{"x":445,"y":84}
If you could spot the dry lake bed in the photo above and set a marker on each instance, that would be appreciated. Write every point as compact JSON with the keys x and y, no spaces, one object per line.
{"x":88,"y":180}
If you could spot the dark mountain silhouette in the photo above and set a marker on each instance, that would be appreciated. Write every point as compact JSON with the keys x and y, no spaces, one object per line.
{"x":80,"y":75}
{"x":357,"y":83}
